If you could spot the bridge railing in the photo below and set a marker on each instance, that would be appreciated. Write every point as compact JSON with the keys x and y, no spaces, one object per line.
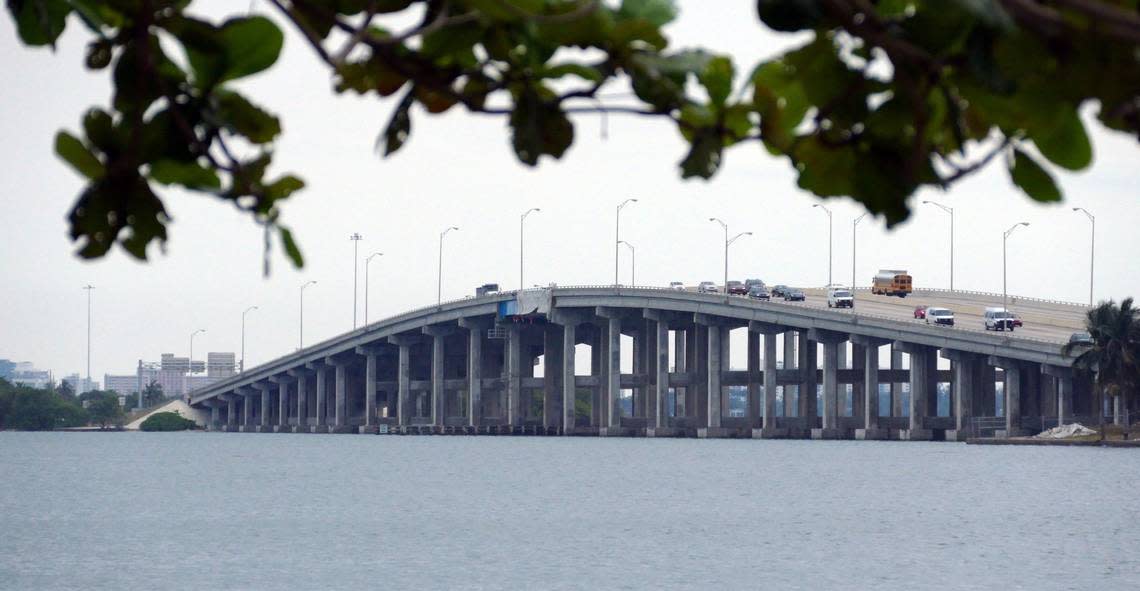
{"x":1012,"y":298}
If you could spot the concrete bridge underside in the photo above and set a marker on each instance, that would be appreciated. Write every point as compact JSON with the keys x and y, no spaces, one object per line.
{"x":478,"y":366}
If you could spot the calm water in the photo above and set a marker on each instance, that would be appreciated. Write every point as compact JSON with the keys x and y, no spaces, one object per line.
{"x":249,"y":511}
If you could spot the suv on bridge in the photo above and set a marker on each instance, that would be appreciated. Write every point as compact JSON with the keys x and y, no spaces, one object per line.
{"x":736,"y":288}
{"x":998,"y":319}
{"x":792,"y":294}
{"x":840,"y":297}
{"x":939,"y":316}
{"x":707,"y":287}
{"x":759,"y":292}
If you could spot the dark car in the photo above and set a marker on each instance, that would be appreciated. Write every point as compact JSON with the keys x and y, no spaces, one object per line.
{"x":793,"y":295}
{"x":759,"y":292}
{"x":779,"y":291}
{"x":750,"y":283}
{"x":1081,"y":338}
{"x":736,"y":288}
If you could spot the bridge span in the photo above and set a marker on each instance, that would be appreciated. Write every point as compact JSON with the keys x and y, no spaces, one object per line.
{"x":508,"y":363}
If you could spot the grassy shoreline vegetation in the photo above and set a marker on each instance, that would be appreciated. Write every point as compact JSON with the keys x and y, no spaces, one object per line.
{"x":33,"y":409}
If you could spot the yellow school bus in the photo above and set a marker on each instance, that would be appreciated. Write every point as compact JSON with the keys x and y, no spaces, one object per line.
{"x":891,"y":282}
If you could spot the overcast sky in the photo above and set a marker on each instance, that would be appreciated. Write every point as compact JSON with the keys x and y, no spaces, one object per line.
{"x":458,"y":169}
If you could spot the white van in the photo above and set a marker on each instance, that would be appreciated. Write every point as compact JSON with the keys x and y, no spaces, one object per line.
{"x":998,"y":319}
{"x":840,"y":297}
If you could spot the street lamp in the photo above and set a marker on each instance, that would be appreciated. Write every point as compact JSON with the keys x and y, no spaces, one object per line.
{"x":854,"y":225}
{"x":88,"y":288}
{"x":829,"y":227}
{"x":617,"y":235}
{"x":366,"y":261}
{"x":301,"y":323}
{"x":439,"y":280}
{"x":1092,"y":249}
{"x":949,"y":210}
{"x":355,"y":238}
{"x":247,"y":311}
{"x":522,"y":219}
{"x":632,"y":263}
{"x":728,"y":242}
{"x":191,"y":366}
{"x":1004,"y":238}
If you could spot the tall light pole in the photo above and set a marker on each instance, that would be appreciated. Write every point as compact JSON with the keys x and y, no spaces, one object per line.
{"x":949,"y":210}
{"x":728,"y":242}
{"x":522,"y":220}
{"x":829,"y":242}
{"x":366,"y":261}
{"x":301,"y":322}
{"x":1004,"y":239}
{"x":1092,"y":250}
{"x":854,"y":225}
{"x":88,"y":288}
{"x":192,"y":335}
{"x":617,"y":235}
{"x":355,"y":238}
{"x":632,"y":263}
{"x":439,"y":279}
{"x":247,"y":311}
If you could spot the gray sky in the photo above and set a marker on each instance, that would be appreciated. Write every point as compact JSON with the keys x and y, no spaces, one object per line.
{"x":458,"y":169}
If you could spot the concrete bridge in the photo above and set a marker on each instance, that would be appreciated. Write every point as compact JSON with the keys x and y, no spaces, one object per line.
{"x":550,"y":361}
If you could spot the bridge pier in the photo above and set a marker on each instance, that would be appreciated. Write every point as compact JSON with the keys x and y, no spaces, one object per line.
{"x":921,"y":359}
{"x":870,"y":407}
{"x":831,"y":342}
{"x":756,"y":330}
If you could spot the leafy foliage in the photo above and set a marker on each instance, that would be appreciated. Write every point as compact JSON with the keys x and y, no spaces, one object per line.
{"x":33,"y":409}
{"x":1114,"y":357}
{"x":887,"y":97}
{"x":166,"y":421}
{"x":103,"y":408}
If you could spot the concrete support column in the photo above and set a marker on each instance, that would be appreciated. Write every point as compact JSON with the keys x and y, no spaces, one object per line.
{"x":552,"y":352}
{"x":437,"y":391}
{"x":266,"y":408}
{"x":282,"y":405}
{"x":514,"y":375}
{"x":247,"y":410}
{"x":403,"y":386}
{"x":613,"y":373}
{"x":808,"y":366}
{"x":597,"y":370}
{"x":870,"y":387}
{"x":755,"y":383}
{"x":302,"y":378}
{"x":231,"y":412}
{"x":679,"y":366}
{"x":659,"y":417}
{"x":474,"y":376}
{"x":715,"y":365}
{"x":322,"y":401}
{"x":898,"y":408}
{"x":832,"y":344}
{"x":569,"y":388}
{"x":767,"y":428}
{"x":340,"y":417}
{"x":370,"y":414}
{"x":1012,"y":402}
{"x":215,"y":416}
{"x":920,"y":357}
{"x":964,"y":390}
{"x":1064,"y":399}
{"x":791,"y":392}
{"x":858,"y":387}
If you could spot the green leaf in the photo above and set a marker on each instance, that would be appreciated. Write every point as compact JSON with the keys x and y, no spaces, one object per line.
{"x":539,"y":128}
{"x":291,"y":249}
{"x":98,"y":55}
{"x":717,"y":79}
{"x":252,"y":44}
{"x":100,"y":130}
{"x":39,"y":22}
{"x":703,"y":158}
{"x":790,"y":16}
{"x":580,"y":70}
{"x":78,"y":156}
{"x":989,"y":12}
{"x":243,"y":117}
{"x":1032,"y":178}
{"x":1066,"y":145}
{"x":658,"y":12}
{"x":188,"y":174}
{"x":399,"y":126}
{"x":283,"y":187}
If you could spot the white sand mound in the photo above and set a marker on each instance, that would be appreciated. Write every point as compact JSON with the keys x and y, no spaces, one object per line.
{"x":1065,"y":432}
{"x":175,"y":406}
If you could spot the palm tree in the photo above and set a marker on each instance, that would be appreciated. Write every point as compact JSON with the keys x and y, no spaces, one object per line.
{"x":1114,"y":356}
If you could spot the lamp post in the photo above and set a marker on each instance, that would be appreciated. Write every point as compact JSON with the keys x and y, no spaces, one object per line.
{"x":632,"y":263}
{"x":355,"y":238}
{"x":617,"y":235}
{"x":247,"y":311}
{"x":191,"y":365}
{"x":949,"y":210}
{"x":1004,"y":239}
{"x":301,"y":323}
{"x":522,"y":221}
{"x":728,"y":242}
{"x":854,"y":225}
{"x":829,"y":228}
{"x":366,"y":262}
{"x":1092,"y":249}
{"x":439,"y":279}
{"x":88,"y":288}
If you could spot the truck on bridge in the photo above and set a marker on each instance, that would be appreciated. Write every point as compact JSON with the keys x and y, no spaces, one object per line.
{"x":891,"y":282}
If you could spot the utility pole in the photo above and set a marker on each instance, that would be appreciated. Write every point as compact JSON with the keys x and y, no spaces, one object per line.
{"x":949,"y":210}
{"x":1092,"y":250}
{"x":617,"y":236}
{"x":301,"y":323}
{"x":355,"y":238}
{"x":88,"y":288}
{"x":439,"y":279}
{"x":247,"y":311}
{"x":366,"y":261}
{"x":728,"y":242}
{"x":829,"y":241}
{"x":522,"y":221}
{"x":854,"y":226}
{"x":191,"y":365}
{"x":632,"y":263}
{"x":1004,"y":239}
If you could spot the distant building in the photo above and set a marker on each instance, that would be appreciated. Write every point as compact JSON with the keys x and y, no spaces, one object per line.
{"x":80,"y":385}
{"x":221,"y":365}
{"x":25,"y":374}
{"x":175,"y":377}
{"x":6,"y":368}
{"x":122,"y":384}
